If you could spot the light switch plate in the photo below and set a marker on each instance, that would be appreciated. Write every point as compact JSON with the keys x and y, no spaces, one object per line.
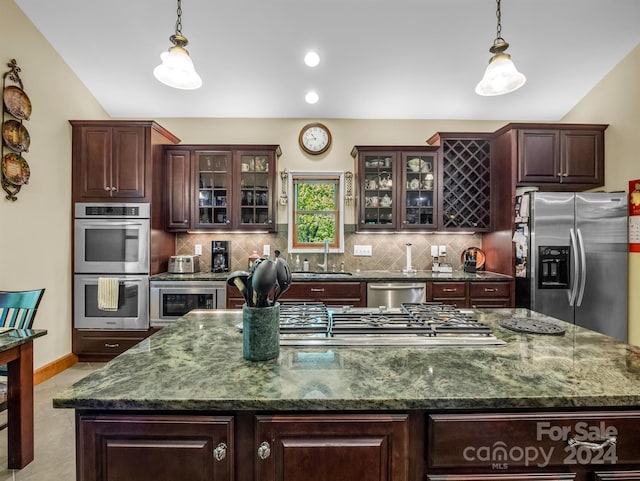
{"x":362,"y":250}
{"x":434,"y":251}
{"x":198,"y":249}
{"x":266,"y":250}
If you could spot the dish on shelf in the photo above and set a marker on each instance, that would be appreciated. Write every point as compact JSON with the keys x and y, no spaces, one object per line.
{"x":15,"y":169}
{"x":479,"y":253}
{"x":16,"y":136}
{"x":17,"y":102}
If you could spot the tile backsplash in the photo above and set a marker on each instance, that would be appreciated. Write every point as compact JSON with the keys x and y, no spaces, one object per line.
{"x":389,"y":251}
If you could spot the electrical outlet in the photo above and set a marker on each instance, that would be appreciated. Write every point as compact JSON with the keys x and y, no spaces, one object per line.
{"x":198,"y":249}
{"x":434,"y":251}
{"x":442,"y":250}
{"x":362,"y":251}
{"x":266,"y":250}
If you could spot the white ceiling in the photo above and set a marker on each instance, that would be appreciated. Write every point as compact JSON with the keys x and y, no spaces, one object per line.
{"x":380,"y":59}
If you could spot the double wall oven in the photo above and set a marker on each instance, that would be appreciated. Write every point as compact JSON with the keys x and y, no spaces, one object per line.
{"x":112,"y":241}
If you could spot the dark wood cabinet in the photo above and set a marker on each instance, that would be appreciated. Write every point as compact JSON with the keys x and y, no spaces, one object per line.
{"x":178,"y":191}
{"x":114,"y":160}
{"x":464,"y":180}
{"x":365,"y":447}
{"x":101,"y":345}
{"x":221,"y":187}
{"x":474,"y":294}
{"x":556,"y":156}
{"x":331,"y":293}
{"x":396,"y":187}
{"x":155,"y":448}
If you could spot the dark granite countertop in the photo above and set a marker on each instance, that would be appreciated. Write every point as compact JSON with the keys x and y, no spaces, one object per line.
{"x":196,"y":364}
{"x":367,"y":276}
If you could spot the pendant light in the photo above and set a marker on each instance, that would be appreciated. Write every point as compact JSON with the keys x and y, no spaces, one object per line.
{"x":501,"y":75}
{"x":176,"y":69}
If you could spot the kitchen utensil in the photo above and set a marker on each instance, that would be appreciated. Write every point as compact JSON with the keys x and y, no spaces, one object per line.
{"x":283,"y":278}
{"x":240,"y":280}
{"x":263,"y":280}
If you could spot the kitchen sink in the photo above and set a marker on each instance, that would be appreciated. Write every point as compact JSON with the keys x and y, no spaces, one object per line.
{"x":321,"y":275}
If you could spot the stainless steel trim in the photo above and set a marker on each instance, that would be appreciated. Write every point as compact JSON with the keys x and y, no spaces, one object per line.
{"x":583,"y":268}
{"x":392,"y":287}
{"x":576,"y":268}
{"x":80,"y":209}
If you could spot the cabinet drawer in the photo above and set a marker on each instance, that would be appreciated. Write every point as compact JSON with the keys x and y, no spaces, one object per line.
{"x":533,"y":441}
{"x":101,"y":343}
{"x":449,"y":289}
{"x":489,"y":289}
{"x":323,"y":291}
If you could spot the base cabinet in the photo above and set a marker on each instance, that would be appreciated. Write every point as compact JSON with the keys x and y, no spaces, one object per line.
{"x":332,"y":447}
{"x":461,"y":294}
{"x":155,"y":448}
{"x":102,"y":345}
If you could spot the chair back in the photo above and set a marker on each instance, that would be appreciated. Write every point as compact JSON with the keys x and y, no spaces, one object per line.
{"x":18,"y":308}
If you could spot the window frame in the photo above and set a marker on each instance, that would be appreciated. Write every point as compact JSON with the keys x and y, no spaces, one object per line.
{"x":294,"y":176}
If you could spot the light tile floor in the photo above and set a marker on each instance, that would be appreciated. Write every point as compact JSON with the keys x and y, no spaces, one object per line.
{"x":54,"y":438}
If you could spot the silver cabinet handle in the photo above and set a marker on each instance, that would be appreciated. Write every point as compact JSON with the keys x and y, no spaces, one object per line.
{"x":111,"y":346}
{"x":185,"y":221}
{"x":316,"y":290}
{"x":593,"y":446}
{"x":264,"y":450}
{"x":565,"y":175}
{"x":107,"y":188}
{"x":113,"y":189}
{"x":490,"y":289}
{"x":559,"y":174}
{"x":446,"y":289}
{"x":220,"y":452}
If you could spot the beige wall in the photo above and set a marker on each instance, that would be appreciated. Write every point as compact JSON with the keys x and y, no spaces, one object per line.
{"x":616,"y":101}
{"x":35,"y":230}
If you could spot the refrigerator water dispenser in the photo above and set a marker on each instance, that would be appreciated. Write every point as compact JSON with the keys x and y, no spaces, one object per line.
{"x":553,"y":267}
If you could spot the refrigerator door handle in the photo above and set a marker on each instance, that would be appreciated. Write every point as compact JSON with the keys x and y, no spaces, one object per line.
{"x":583,"y":269}
{"x":576,"y":268}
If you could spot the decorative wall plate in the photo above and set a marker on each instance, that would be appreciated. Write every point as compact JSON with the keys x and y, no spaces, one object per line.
{"x":15,"y":169}
{"x":16,"y":136}
{"x":17,"y":102}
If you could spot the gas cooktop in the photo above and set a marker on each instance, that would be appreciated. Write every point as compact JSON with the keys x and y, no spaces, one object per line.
{"x":423,"y":324}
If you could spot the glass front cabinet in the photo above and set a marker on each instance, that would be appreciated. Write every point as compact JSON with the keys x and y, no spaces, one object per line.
{"x":397,"y":188}
{"x":229,"y":187}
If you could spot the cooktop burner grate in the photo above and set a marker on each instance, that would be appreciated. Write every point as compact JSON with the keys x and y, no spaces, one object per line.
{"x":311,"y":317}
{"x":445,"y":319}
{"x":357,"y":322}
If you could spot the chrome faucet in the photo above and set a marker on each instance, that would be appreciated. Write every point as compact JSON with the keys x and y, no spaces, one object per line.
{"x":325,"y":265}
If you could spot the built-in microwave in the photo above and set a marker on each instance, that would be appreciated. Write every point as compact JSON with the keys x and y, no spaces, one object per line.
{"x":171,"y":299}
{"x":112,"y":238}
{"x":132,"y":310}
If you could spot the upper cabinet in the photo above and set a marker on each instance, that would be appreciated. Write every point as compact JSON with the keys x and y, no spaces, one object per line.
{"x":396,"y":187}
{"x":558,"y":156}
{"x":465,"y":181}
{"x":113,"y":161}
{"x":220,"y":187}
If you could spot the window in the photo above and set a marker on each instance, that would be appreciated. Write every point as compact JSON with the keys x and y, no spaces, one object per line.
{"x":316,"y":211}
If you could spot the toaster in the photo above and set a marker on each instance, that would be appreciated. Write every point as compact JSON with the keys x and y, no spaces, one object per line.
{"x":184,"y":264}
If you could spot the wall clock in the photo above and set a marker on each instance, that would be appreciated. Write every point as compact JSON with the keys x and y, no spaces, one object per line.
{"x":315,"y":138}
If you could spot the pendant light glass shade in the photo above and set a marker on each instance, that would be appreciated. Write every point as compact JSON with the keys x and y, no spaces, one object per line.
{"x":176,"y":69}
{"x":500,"y":77}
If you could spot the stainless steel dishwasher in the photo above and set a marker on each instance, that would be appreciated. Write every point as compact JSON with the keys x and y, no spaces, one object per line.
{"x":392,"y":294}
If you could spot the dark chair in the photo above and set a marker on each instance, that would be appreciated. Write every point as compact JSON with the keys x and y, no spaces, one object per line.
{"x":17,"y":311}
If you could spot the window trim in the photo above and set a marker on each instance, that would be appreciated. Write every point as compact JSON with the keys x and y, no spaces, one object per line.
{"x":319,"y":247}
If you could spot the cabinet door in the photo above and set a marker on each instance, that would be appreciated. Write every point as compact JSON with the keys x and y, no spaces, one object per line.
{"x":331,"y":293}
{"x":212,"y":190}
{"x":154,"y":448}
{"x":452,"y":293}
{"x":128,"y":162}
{"x":332,"y":447}
{"x":92,"y":161}
{"x":255,"y":197}
{"x":417,"y":186}
{"x":539,"y":156}
{"x":490,"y":294}
{"x":178,"y":189}
{"x":582,"y":157}
{"x":465,"y":183}
{"x":378,"y":186}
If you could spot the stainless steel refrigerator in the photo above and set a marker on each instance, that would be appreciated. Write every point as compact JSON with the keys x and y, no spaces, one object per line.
{"x":576,"y":259}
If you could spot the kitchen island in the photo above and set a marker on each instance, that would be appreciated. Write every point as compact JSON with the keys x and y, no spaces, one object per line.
{"x":186,"y":397}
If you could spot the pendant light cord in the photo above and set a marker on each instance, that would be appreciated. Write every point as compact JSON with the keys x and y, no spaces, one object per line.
{"x":498,"y":16}
{"x":179,"y":21}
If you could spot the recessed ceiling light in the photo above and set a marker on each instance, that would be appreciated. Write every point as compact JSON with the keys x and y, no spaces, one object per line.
{"x":312,"y":97}
{"x":311,"y":59}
